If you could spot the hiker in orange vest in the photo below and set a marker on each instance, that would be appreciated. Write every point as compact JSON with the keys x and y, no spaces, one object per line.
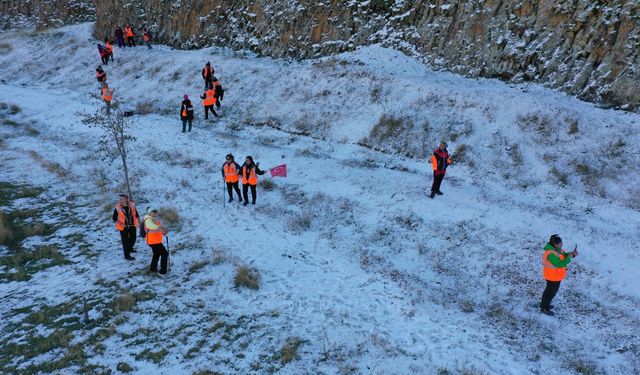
{"x":207,"y":74}
{"x":125,"y":217}
{"x":230,"y":174}
{"x":128,"y":33}
{"x":554,"y":268}
{"x":107,"y":96}
{"x":155,"y":232}
{"x":101,"y":76}
{"x":186,"y":113}
{"x":146,"y":36}
{"x":219,"y":91}
{"x":209,"y":100}
{"x":439,"y":162}
{"x":250,"y":173}
{"x":109,"y":47}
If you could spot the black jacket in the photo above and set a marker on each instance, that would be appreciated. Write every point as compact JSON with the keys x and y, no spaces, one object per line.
{"x":258,"y":171}
{"x":238,"y":168}
{"x":127,"y":215}
{"x":219,"y":92}
{"x":186,"y":104}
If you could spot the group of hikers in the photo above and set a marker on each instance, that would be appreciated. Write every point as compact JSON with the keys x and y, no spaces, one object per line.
{"x":126,"y":218}
{"x":554,"y":259}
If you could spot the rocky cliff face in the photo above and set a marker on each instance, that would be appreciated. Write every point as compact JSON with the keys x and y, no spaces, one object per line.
{"x":587,"y":48}
{"x":44,"y":13}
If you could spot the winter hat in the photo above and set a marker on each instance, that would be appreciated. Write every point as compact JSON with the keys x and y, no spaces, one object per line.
{"x":151,"y":209}
{"x":208,"y":63}
{"x":443,"y":143}
{"x":185,"y":97}
{"x":555,"y":239}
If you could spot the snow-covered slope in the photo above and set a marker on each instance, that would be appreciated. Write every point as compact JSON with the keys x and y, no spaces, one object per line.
{"x":360,"y":272}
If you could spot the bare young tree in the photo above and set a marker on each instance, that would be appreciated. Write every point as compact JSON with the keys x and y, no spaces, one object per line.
{"x":115,"y":127}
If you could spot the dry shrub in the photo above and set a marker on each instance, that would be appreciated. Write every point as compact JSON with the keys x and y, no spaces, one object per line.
{"x":289,"y":350}
{"x":300,"y":223}
{"x":267,"y":184}
{"x":144,"y":108}
{"x":460,"y":153}
{"x":124,"y":367}
{"x":388,"y":126}
{"x":562,"y":178}
{"x":169,"y":216}
{"x":197,"y":266}
{"x":5,"y":47}
{"x":37,"y":229}
{"x":5,"y":232}
{"x":246,"y":277}
{"x":573,"y":126}
{"x":124,"y":302}
{"x":218,"y":257}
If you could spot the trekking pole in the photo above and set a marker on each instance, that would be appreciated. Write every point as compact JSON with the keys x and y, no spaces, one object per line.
{"x":223,"y":198}
{"x":168,"y":255}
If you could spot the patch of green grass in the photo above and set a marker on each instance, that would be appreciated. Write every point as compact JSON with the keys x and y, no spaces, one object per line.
{"x":124,"y":367}
{"x":149,"y":355}
{"x":28,"y":262}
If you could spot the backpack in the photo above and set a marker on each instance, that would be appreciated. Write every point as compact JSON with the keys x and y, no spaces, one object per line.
{"x":143,"y":230}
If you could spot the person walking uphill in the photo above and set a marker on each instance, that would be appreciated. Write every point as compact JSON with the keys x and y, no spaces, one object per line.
{"x":128,"y":32}
{"x":101,"y":76}
{"x":250,"y":173}
{"x":107,"y":96}
{"x":209,"y":100}
{"x":146,"y":36}
{"x":218,"y":91}
{"x":109,"y":48}
{"x":554,"y":269}
{"x":119,"y":37}
{"x":230,"y":170}
{"x":439,"y":162}
{"x":125,"y":217}
{"x":207,"y":74}
{"x":155,"y":232}
{"x":186,"y":113}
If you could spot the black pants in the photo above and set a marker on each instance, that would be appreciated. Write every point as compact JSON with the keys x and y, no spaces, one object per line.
{"x":159,"y":252}
{"x":208,"y":108}
{"x":105,"y":59}
{"x":128,"y":237}
{"x":234,"y":186}
{"x":245,"y":193}
{"x":131,"y":41}
{"x":437,"y":180}
{"x":184,"y":124}
{"x":549,"y":292}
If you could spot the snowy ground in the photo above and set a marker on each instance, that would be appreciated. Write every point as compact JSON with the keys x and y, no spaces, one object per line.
{"x":360,"y":272}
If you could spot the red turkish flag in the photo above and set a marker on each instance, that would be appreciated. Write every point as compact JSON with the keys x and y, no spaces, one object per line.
{"x":280,"y":170}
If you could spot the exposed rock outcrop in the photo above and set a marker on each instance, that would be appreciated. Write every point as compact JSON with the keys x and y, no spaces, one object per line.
{"x":43,"y":13}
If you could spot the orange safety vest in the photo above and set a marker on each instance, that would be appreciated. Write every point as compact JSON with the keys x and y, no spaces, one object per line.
{"x":253,"y":177}
{"x":210,"y":99}
{"x":109,"y":46}
{"x":107,"y":94}
{"x":122,"y":220}
{"x":154,"y":236}
{"x":549,"y":271}
{"x":145,"y":36}
{"x":230,"y":172}
{"x":128,"y":31}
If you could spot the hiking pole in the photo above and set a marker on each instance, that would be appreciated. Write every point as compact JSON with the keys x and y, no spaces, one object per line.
{"x":223,"y":198}
{"x":168,"y":255}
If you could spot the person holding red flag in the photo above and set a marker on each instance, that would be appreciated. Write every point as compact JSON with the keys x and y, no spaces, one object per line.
{"x":250,"y":173}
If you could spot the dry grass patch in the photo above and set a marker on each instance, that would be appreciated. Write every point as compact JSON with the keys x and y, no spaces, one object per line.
{"x":169,"y":216}
{"x":124,"y":302}
{"x":289,"y":351}
{"x":246,"y":277}
{"x":50,"y":166}
{"x":267,"y":184}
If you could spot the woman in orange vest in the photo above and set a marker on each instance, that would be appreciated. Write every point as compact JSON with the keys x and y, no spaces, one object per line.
{"x":107,"y":96}
{"x":125,"y":217}
{"x":155,"y":232}
{"x":128,"y":32}
{"x":109,"y":47}
{"x":250,"y":173}
{"x":146,"y":36}
{"x":186,"y":113}
{"x":209,"y":100}
{"x":439,"y":162}
{"x":230,"y":174}
{"x":554,"y":269}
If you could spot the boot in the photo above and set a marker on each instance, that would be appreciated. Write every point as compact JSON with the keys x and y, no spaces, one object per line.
{"x":547,"y":312}
{"x":432,"y":195}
